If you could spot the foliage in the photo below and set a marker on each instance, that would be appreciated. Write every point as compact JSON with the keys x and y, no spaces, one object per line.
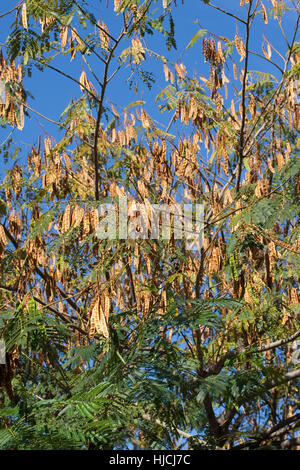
{"x":114,"y":344}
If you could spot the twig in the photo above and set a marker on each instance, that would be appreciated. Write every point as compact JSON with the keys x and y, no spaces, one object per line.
{"x":10,"y":11}
{"x":100,"y":110}
{"x":243,"y":123}
{"x":227,"y":13}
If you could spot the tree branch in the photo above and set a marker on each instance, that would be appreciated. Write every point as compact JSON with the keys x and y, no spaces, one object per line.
{"x":227,"y":13}
{"x":244,"y":113}
{"x":100,"y":110}
{"x":236,"y":352}
{"x":10,"y":11}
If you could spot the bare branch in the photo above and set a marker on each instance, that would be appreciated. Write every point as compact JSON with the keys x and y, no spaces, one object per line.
{"x":228,"y":13}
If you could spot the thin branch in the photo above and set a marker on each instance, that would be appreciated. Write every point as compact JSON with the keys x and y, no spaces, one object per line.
{"x":94,"y":22}
{"x":69,"y":77}
{"x":131,"y":282}
{"x":283,"y":426}
{"x":181,"y":433}
{"x":10,"y":11}
{"x":88,"y":46}
{"x":268,"y":347}
{"x":279,"y":88}
{"x":100,"y":110}
{"x":228,"y":13}
{"x":56,"y":123}
{"x":278,"y":343}
{"x":244,"y":113}
{"x":268,"y":60}
{"x":62,"y":316}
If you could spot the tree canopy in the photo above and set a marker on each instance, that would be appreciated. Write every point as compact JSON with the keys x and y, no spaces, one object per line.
{"x":142,"y":342}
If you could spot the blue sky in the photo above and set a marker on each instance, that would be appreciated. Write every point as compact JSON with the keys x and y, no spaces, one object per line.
{"x":52,"y":92}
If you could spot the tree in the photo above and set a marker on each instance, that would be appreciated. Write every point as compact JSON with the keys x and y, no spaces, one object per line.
{"x":112,"y":343}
